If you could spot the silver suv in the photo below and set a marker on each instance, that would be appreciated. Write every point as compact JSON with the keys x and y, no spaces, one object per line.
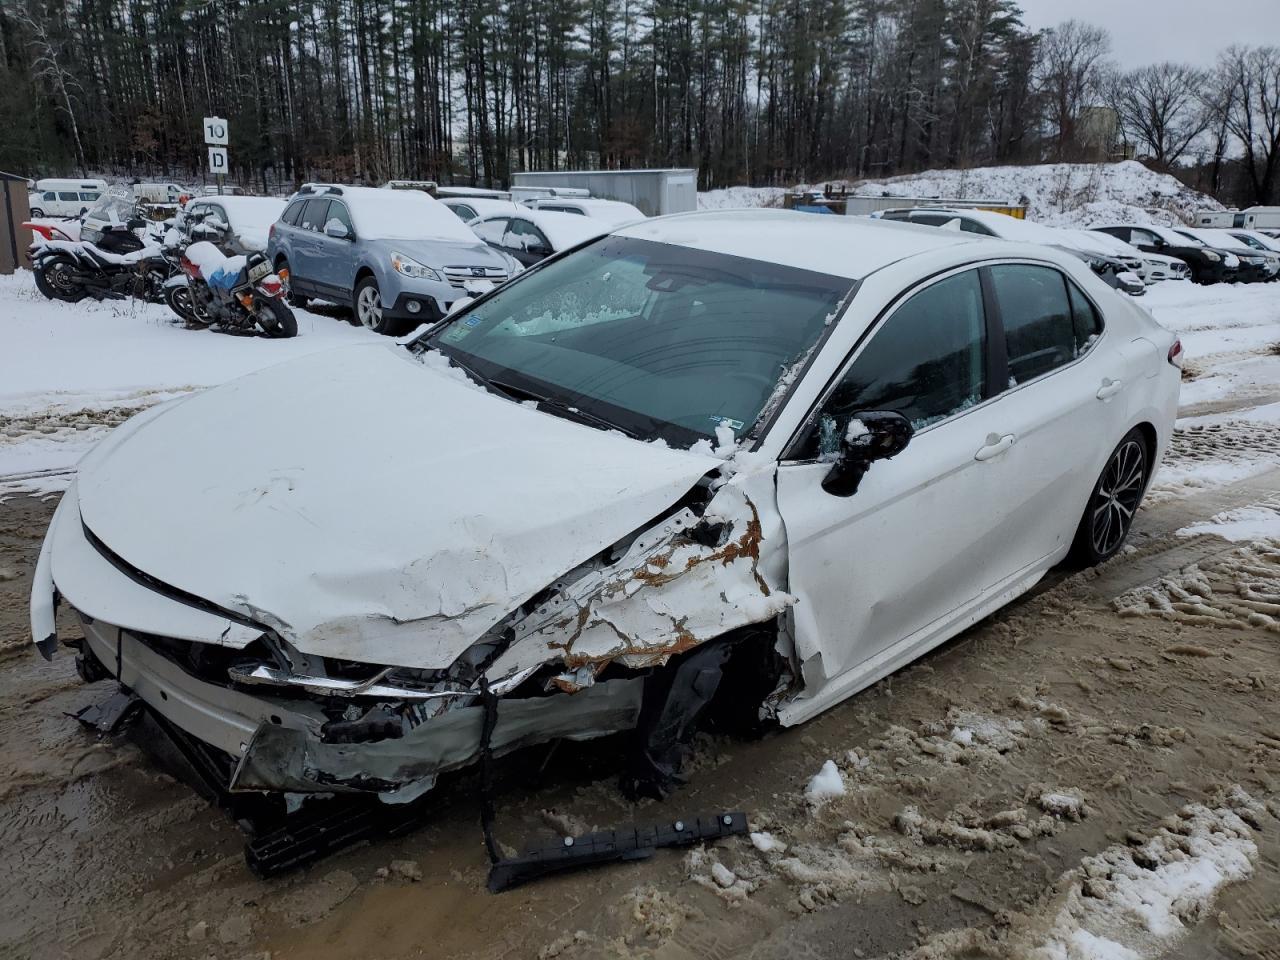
{"x":398,"y":258}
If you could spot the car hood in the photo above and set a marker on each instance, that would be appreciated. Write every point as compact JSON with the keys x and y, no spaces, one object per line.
{"x":369,"y":505}
{"x":443,"y":253}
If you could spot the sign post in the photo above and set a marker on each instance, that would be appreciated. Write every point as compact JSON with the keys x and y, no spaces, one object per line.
{"x":215,"y":134}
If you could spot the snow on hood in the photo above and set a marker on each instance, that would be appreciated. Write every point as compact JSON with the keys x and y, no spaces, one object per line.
{"x":368,"y":506}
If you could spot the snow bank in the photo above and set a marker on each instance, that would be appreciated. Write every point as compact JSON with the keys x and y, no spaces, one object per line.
{"x":734,"y":197}
{"x":1244,"y":523}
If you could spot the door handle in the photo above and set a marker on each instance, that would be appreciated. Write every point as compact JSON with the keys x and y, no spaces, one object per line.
{"x":1109,"y":388}
{"x":995,"y":446}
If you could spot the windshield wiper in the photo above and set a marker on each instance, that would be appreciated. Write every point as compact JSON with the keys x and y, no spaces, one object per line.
{"x":564,"y":409}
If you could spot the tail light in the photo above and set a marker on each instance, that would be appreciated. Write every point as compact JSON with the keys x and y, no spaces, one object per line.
{"x":190,"y":269}
{"x":283,"y":274}
{"x":246,"y":300}
{"x":1175,"y":354}
{"x":271,"y":286}
{"x":271,"y":231}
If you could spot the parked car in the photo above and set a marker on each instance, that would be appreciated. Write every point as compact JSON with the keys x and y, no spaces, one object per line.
{"x":740,"y":460}
{"x":534,"y":235}
{"x":1256,"y":266}
{"x":613,"y":212}
{"x":165,"y":194}
{"x":478,"y":192}
{"x":1256,"y":239}
{"x":239,"y":225}
{"x":227,"y":190}
{"x":1114,"y":272}
{"x":1150,"y":267}
{"x":1206,"y":265}
{"x":55,"y":197}
{"x":473,"y":208}
{"x":397,"y":257}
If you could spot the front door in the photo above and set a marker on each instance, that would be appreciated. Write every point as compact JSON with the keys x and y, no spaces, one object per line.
{"x":878,"y":573}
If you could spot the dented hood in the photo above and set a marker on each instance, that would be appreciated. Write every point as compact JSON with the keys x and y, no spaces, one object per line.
{"x":369,"y":506}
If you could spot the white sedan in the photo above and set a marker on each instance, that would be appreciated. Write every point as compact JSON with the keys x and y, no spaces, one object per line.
{"x":745,"y":461}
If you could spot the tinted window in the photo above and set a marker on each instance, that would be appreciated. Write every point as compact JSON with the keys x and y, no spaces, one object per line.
{"x":1084,"y":318}
{"x":464,"y":212}
{"x":896,"y":215}
{"x":926,"y":362}
{"x":1039,"y":329}
{"x":1143,"y":236}
{"x":50,"y":196}
{"x":88,"y":196}
{"x":314,"y":216}
{"x":69,"y":196}
{"x":931,"y":219}
{"x":290,"y":215}
{"x":543,"y":206}
{"x":973,"y":226}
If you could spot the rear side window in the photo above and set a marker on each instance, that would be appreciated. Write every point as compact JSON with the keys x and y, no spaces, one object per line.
{"x":927,"y":361}
{"x":1039,"y":324}
{"x":973,"y":226}
{"x":72,"y":197}
{"x":88,"y":196}
{"x":291,"y":213}
{"x":465,"y":213}
{"x":491,"y":231}
{"x":314,"y":216}
{"x":1084,"y":319}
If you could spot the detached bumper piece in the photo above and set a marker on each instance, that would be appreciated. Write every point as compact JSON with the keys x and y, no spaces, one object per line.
{"x":608,"y":846}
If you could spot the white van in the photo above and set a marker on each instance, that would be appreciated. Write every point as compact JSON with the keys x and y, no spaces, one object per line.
{"x":169,"y":194}
{"x":65,"y":198}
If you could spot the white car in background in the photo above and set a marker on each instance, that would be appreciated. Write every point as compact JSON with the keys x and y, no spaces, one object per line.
{"x":243,"y":224}
{"x":613,"y":212}
{"x":532,"y":235}
{"x":758,"y":458}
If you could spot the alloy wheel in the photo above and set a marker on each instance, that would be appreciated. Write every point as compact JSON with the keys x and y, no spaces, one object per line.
{"x":369,"y":308}
{"x":1117,"y":498}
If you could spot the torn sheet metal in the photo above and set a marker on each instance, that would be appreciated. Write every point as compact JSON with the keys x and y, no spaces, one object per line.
{"x":280,"y":758}
{"x":686,"y":581}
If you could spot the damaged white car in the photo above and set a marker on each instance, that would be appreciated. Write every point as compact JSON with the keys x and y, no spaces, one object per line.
{"x":758,"y":457}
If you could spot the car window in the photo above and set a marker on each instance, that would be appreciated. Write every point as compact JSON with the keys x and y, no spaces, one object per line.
{"x":1085,"y":319}
{"x":899,"y":215}
{"x":1039,"y":330}
{"x":932,"y":219}
{"x":581,"y":213}
{"x":49,"y":196}
{"x":464,"y":212}
{"x":314,"y":216}
{"x":1143,"y":236}
{"x":927,"y":361}
{"x":492,"y":230}
{"x":291,"y":213}
{"x":973,"y":226}
{"x":88,"y":196}
{"x":523,"y":235}
{"x":338,"y":211}
{"x":69,"y":196}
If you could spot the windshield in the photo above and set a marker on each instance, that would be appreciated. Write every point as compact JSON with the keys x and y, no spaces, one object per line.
{"x":661,"y":341}
{"x":116,"y":206}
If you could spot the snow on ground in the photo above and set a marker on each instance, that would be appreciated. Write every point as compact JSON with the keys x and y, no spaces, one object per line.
{"x":1058,"y":194}
{"x":70,"y":372}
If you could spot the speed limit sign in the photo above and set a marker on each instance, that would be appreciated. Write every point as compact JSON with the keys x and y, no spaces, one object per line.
{"x":215,"y":131}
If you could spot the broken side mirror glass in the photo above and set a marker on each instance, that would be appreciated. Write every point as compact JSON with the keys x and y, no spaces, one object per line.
{"x":867,"y":436}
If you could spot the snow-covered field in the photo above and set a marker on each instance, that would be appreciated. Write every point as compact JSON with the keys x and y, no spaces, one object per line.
{"x":70,"y":372}
{"x":1062,"y":194}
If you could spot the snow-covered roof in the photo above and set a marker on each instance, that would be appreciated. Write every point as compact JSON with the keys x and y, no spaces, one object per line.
{"x":486,"y":206}
{"x":400,"y":215}
{"x":613,"y":212}
{"x":1217,"y":238}
{"x":851,"y":247}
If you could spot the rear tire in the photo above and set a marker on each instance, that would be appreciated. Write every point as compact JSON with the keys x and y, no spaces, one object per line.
{"x":37,"y":212}
{"x":1114,"y":500}
{"x":276,"y":319}
{"x":52,"y":280}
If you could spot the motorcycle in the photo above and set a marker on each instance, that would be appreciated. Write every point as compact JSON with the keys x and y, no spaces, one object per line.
{"x":108,"y":263}
{"x":238,"y":294}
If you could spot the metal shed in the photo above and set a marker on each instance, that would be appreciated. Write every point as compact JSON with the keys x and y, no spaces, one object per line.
{"x":655,"y":192}
{"x":14,"y":209}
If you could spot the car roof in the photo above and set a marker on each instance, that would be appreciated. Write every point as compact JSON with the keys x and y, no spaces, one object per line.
{"x":851,"y":247}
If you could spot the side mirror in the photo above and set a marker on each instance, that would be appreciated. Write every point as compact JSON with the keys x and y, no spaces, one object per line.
{"x":868,"y":436}
{"x":336,"y":229}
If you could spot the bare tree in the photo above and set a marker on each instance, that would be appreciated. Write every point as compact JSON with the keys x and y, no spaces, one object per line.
{"x":46,"y":65}
{"x":1073,"y":61}
{"x":1249,"y":87}
{"x":1163,"y":107}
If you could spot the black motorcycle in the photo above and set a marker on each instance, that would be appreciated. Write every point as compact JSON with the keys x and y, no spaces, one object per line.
{"x":238,"y":294}
{"x":115,"y":265}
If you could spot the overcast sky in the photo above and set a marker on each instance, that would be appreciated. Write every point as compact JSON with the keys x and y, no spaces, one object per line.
{"x":1148,"y":31}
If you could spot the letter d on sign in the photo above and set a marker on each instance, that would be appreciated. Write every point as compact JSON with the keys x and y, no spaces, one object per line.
{"x":217,"y":159}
